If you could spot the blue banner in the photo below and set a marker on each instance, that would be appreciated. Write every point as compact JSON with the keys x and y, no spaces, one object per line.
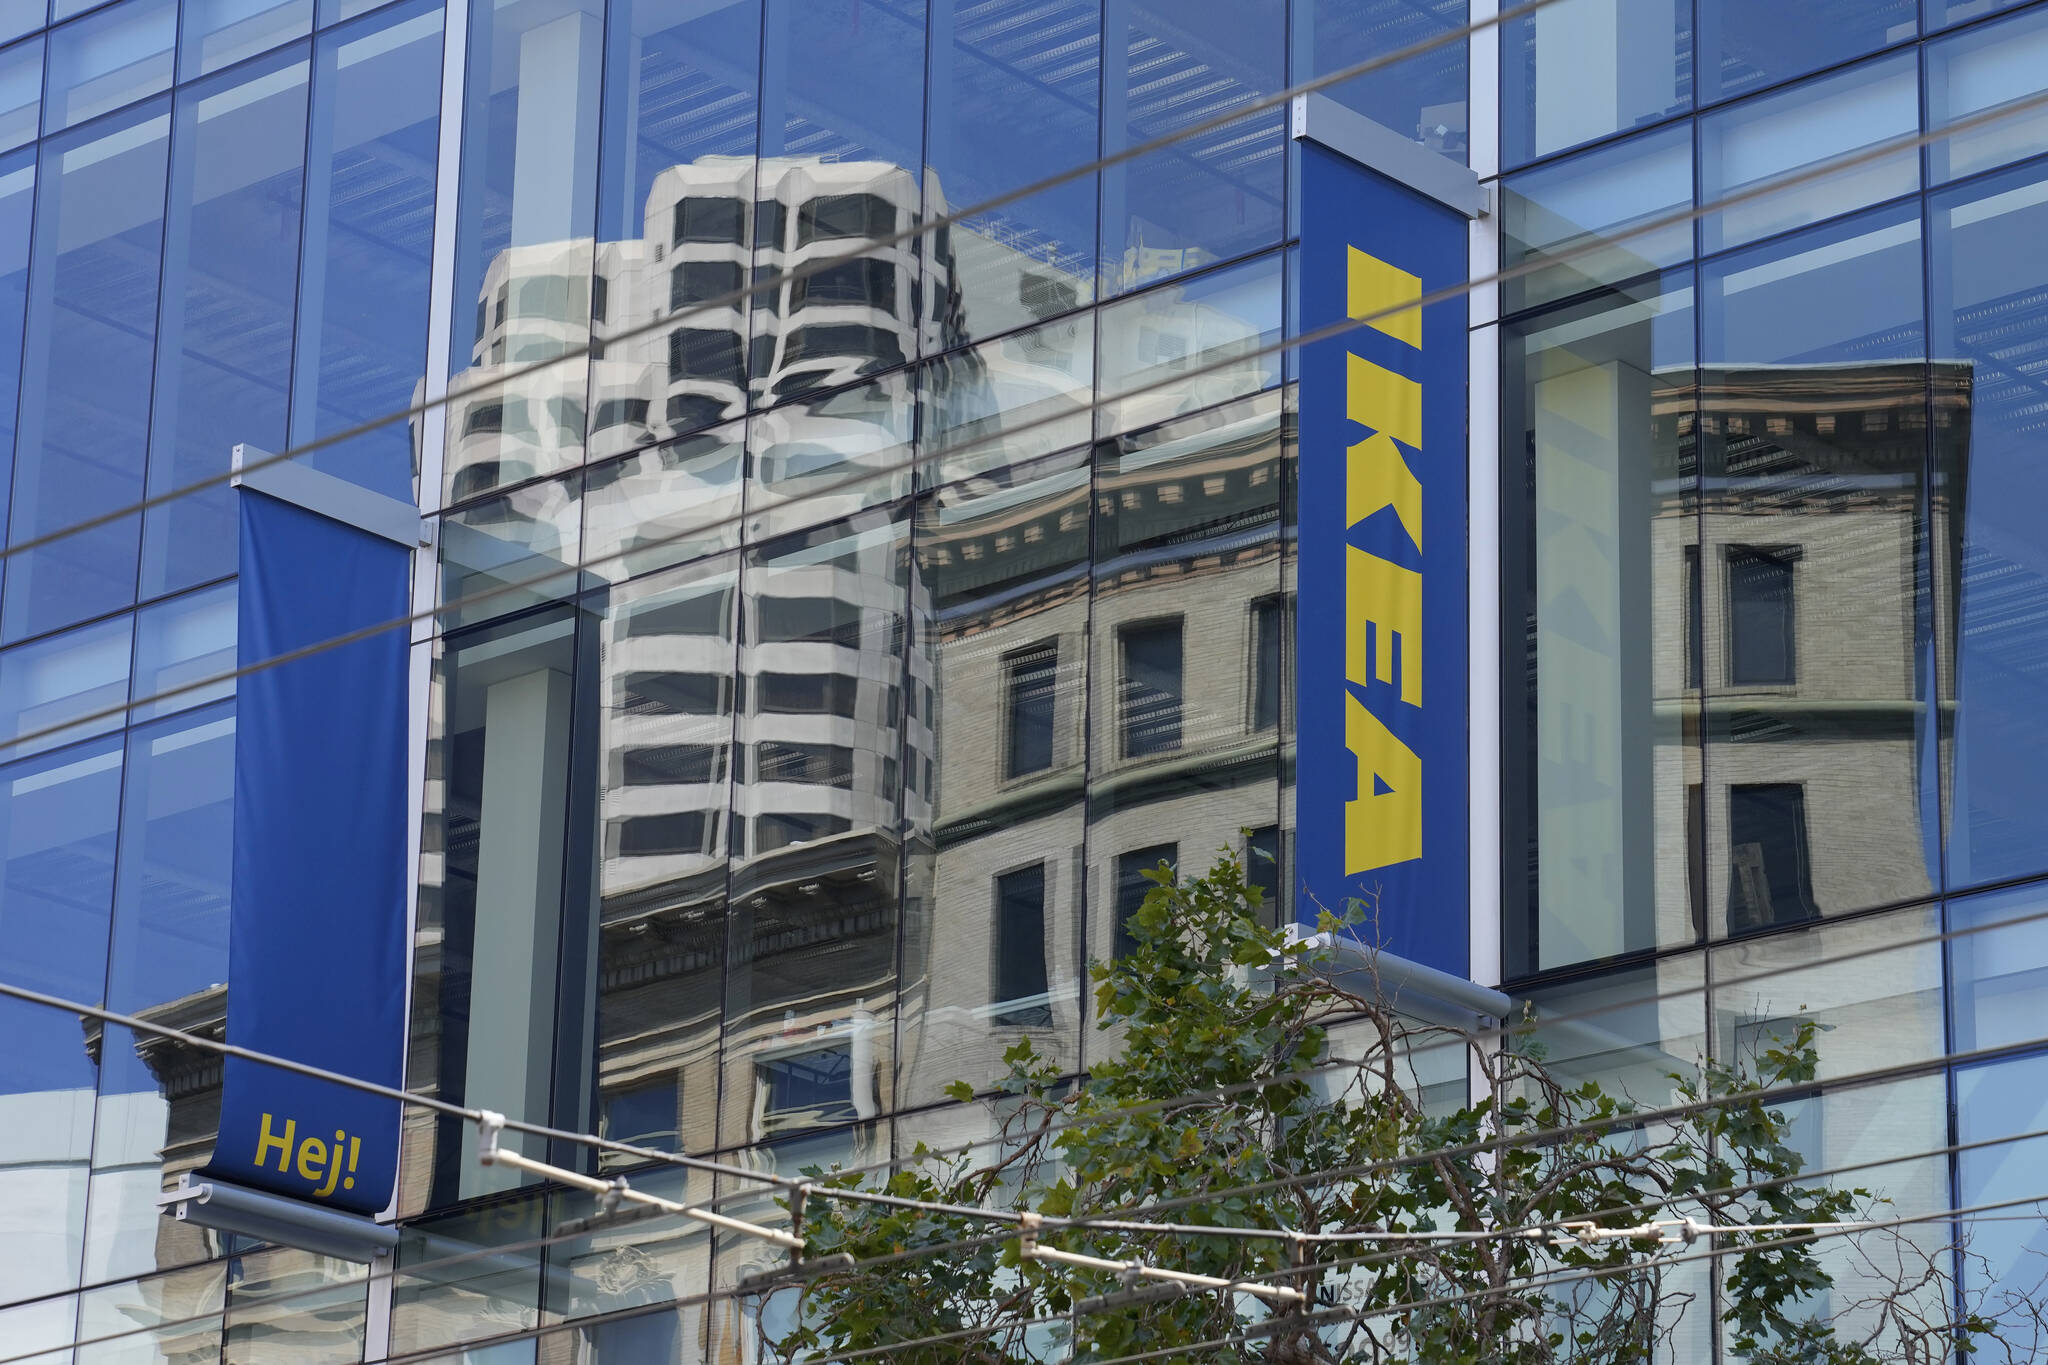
{"x":1381,"y":661}
{"x":317,"y":924}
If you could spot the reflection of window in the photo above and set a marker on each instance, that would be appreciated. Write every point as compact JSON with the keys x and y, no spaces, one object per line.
{"x":827,"y":694}
{"x":1760,"y":620}
{"x":1262,"y":867}
{"x":1020,"y":947}
{"x":816,"y":620}
{"x":827,"y":765}
{"x":704,"y":353}
{"x":644,"y":1115}
{"x":704,"y":219}
{"x":687,"y":410}
{"x":700,"y":281}
{"x":771,"y":222}
{"x":704,"y":614}
{"x":1268,"y":633}
{"x":845,"y":215}
{"x":1044,"y":296}
{"x":673,"y":694}
{"x":807,"y":1089}
{"x":785,"y":828}
{"x":1152,"y":687}
{"x":621,"y":412}
{"x":484,"y":418}
{"x":600,"y":298}
{"x":868,"y":282}
{"x":1769,"y":878}
{"x":875,"y":347}
{"x":1029,"y":679}
{"x":1132,"y":887}
{"x":647,"y":836}
{"x":665,"y":764}
{"x":1694,"y":621}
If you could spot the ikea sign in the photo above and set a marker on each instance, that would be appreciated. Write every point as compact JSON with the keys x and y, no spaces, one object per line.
{"x":1381,"y":755}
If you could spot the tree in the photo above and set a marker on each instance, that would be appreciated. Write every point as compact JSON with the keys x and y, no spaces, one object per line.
{"x":1211,"y":1000}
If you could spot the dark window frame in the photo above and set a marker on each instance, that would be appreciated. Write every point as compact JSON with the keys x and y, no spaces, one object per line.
{"x":1741,"y":666}
{"x":1012,"y":963}
{"x":1136,"y":721}
{"x":1016,"y":664}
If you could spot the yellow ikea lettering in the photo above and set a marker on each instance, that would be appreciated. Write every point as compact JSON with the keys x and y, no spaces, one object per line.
{"x":1382,"y":599}
{"x":1380,"y":827}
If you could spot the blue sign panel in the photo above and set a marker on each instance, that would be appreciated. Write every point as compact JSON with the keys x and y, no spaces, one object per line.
{"x":316,"y":946}
{"x":1380,"y":679}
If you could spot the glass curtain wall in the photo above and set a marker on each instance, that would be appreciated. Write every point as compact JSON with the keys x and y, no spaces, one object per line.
{"x":220,"y":236}
{"x":1773,"y":647}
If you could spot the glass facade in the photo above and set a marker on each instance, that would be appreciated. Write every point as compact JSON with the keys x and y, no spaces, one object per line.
{"x":215,"y":228}
{"x":1769,"y":617}
{"x":813,"y":677}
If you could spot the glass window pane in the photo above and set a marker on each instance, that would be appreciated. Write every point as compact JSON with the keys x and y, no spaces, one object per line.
{"x":20,"y":16}
{"x":161,"y":1308}
{"x":59,"y":818}
{"x":86,"y":369}
{"x":524,"y":243}
{"x":831,"y":454}
{"x":1209,"y":329}
{"x":1422,"y":97}
{"x":1000,"y":649}
{"x":2004,"y":1099}
{"x":816,"y":873}
{"x":1783,"y":135}
{"x":1006,"y":400}
{"x":231,"y":272}
{"x":508,"y":821}
{"x":511,"y":551}
{"x":665,"y":811}
{"x":1747,"y":44}
{"x":362,"y":312}
{"x":484,"y":1293}
{"x":45,"y":684}
{"x":1880,"y":1008}
{"x":1939,"y":13}
{"x":1635,"y":1032}
{"x":1014,"y":99}
{"x":1988,"y":272}
{"x":1171,"y":64}
{"x":21,"y":92}
{"x":1814,"y":400}
{"x":284,"y":1304}
{"x":677,"y":179}
{"x":665,"y":505}
{"x":181,"y":642}
{"x":1600,"y":401}
{"x":1999,"y":963}
{"x":113,"y":58}
{"x":842,"y":133}
{"x":159,"y":1105}
{"x":1584,"y":209}
{"x":1581,"y":69}
{"x":1186,"y":539}
{"x":1976,"y":72}
{"x":17,"y":218}
{"x":220,"y":33}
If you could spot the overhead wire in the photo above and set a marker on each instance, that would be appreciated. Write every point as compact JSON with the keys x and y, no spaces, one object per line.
{"x":869,"y":475}
{"x":419,"y":1270}
{"x":736,"y":297}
